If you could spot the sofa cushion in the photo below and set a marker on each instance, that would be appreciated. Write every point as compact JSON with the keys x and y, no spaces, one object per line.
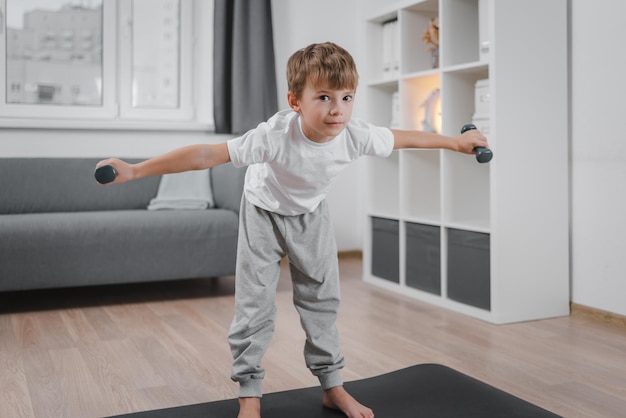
{"x":37,"y":185}
{"x":86,"y":248}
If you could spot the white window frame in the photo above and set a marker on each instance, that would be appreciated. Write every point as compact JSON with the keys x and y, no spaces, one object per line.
{"x":195,"y":110}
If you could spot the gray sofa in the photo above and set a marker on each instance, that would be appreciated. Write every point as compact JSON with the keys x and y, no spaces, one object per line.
{"x":59,"y":228}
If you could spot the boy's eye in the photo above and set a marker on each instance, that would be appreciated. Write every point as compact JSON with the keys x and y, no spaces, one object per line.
{"x":326,"y":98}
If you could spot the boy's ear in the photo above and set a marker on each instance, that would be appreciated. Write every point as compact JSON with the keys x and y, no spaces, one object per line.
{"x":294,"y":103}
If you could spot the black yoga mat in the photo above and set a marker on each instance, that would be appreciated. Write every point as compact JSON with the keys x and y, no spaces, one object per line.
{"x":426,"y":390}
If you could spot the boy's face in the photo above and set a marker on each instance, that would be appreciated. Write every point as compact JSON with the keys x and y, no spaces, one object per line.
{"x":324,"y":112}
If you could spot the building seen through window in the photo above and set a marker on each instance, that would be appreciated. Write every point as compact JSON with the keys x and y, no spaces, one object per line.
{"x":54,"y":52}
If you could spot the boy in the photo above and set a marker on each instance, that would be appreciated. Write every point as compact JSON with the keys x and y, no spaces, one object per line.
{"x":292,"y":159}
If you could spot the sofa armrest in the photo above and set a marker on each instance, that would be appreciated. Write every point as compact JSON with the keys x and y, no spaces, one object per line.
{"x":227,"y":184}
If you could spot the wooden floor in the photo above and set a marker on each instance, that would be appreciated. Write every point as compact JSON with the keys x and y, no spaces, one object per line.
{"x":103,"y":351}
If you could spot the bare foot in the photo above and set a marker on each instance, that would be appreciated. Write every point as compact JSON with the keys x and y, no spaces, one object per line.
{"x":338,"y":398}
{"x":249,"y":408}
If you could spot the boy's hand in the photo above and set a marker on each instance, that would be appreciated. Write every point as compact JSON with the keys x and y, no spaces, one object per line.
{"x":470,"y":140}
{"x":124,"y":170}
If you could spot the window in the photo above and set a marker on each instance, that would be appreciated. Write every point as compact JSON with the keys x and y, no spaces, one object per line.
{"x":111,"y":63}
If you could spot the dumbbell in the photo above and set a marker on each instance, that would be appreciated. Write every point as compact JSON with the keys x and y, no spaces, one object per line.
{"x":483,"y":155}
{"x":105,"y":174}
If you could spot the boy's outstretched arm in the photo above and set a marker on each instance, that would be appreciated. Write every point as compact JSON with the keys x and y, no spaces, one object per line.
{"x":464,"y":143}
{"x":192,"y":157}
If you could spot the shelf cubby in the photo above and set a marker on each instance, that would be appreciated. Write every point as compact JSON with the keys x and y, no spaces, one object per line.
{"x":466,"y":198}
{"x":458,"y":97}
{"x":414,"y":92}
{"x":376,"y":45}
{"x":423,"y":257}
{"x":420,"y":182}
{"x":413,"y":22}
{"x":468,"y":268}
{"x":385,"y":248}
{"x":381,"y":94}
{"x":382,"y":177}
{"x":459,"y":32}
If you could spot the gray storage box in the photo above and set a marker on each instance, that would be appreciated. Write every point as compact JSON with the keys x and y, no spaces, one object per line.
{"x":469,"y":268}
{"x":423,"y":257}
{"x":386,"y":249}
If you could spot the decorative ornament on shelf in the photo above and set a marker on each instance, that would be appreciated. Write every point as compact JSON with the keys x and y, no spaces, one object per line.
{"x":429,"y":124}
{"x":431,"y":39}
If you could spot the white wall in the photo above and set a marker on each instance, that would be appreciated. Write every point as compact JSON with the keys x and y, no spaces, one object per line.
{"x":598,"y":154}
{"x":296,"y":25}
{"x":88,"y":143}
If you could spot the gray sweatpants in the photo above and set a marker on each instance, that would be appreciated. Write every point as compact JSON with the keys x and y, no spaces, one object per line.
{"x":309,"y":243}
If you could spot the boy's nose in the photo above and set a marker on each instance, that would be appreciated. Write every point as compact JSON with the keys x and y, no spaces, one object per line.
{"x":335,"y":111}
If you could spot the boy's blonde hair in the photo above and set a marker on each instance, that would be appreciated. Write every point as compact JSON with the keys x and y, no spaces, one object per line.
{"x":325,"y":64}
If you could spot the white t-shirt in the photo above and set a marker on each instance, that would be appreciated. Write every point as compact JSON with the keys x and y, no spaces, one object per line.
{"x":289,"y":174}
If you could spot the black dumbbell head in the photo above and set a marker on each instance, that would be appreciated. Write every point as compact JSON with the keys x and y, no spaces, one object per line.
{"x":105,"y":174}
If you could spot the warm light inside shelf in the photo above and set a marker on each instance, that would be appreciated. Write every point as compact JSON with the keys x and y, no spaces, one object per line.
{"x":437,"y":116}
{"x":421,"y":97}
{"x":431,"y":117}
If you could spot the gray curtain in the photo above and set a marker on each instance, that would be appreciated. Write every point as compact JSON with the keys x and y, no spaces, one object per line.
{"x":244,"y":74}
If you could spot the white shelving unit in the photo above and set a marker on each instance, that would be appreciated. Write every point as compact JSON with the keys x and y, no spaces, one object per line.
{"x":487,"y":240}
